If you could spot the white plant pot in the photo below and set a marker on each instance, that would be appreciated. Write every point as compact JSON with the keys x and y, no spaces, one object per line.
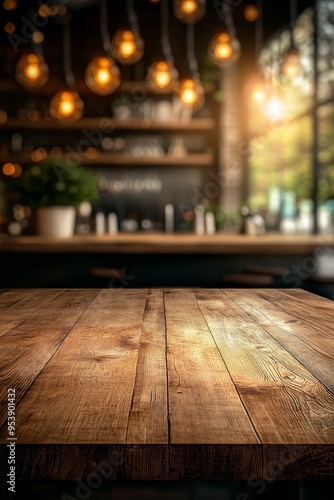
{"x":58,"y":222}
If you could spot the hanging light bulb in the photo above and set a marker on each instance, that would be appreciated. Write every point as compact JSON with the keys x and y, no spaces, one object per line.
{"x":66,"y":106}
{"x":32,"y":71}
{"x":291,"y":66}
{"x":102,"y":76}
{"x":127,"y":47}
{"x":251,"y":13}
{"x":189,"y":11}
{"x":161,"y":76}
{"x":191,"y":93}
{"x":224,"y":49}
{"x":258,"y":91}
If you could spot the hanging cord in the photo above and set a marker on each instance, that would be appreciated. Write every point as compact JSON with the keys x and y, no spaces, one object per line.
{"x":133,"y":20}
{"x":104,"y":26}
{"x":69,"y":76}
{"x":293,"y":19}
{"x":227,"y":15}
{"x":165,"y":42}
{"x":259,"y":31}
{"x":36,"y":47}
{"x":193,"y":66}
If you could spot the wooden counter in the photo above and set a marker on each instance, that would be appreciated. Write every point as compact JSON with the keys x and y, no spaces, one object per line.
{"x":170,"y":243}
{"x":168,"y":384}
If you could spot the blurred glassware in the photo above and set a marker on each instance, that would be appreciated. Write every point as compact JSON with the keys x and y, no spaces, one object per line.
{"x":177,"y":147}
{"x":121,"y":111}
{"x":163,"y":110}
{"x":129,"y":225}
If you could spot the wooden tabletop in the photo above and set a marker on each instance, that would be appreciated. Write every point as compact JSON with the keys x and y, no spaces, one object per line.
{"x":178,"y":243}
{"x":168,"y":384}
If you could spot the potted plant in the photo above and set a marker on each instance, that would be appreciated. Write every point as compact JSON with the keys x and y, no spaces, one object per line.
{"x":54,"y":188}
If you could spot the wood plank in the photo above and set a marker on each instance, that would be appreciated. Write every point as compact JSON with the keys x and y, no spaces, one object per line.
{"x":26,"y":349}
{"x":313,"y":350}
{"x":148,"y":422}
{"x":285,"y":402}
{"x":314,"y":311}
{"x":204,"y":405}
{"x":189,"y":160}
{"x":108,"y":124}
{"x":10,"y":297}
{"x":85,"y":394}
{"x":217,"y":462}
{"x":80,"y":462}
{"x":13,"y":314}
{"x":291,"y":462}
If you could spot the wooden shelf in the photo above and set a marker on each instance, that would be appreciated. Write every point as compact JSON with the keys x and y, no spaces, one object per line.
{"x":162,"y":243}
{"x":54,"y":85}
{"x":190,"y":160}
{"x":110,"y":124}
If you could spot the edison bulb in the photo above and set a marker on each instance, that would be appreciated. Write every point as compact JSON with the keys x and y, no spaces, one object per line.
{"x":251,"y":13}
{"x":102,"y":76}
{"x":191,"y":93}
{"x":127,"y":47}
{"x":224,"y":49}
{"x":291,"y":67}
{"x":32,"y":71}
{"x":189,"y":11}
{"x":257,"y":91}
{"x":66,"y":106}
{"x":161,"y":76}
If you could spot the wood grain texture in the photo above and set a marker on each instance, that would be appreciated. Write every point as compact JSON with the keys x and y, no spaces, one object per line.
{"x":315,"y":317}
{"x":287,"y":404}
{"x":186,"y":243}
{"x":286,"y":462}
{"x":14,"y":312}
{"x":204,"y":405}
{"x":86,"y":394}
{"x":26,"y":349}
{"x":172,"y":384}
{"x":314,"y":348}
{"x":217,"y":462}
{"x":148,"y":418}
{"x":95,"y":462}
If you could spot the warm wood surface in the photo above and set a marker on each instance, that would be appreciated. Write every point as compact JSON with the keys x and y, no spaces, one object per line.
{"x":171,"y":243}
{"x":109,"y":159}
{"x":107,"y":123}
{"x":173,"y":384}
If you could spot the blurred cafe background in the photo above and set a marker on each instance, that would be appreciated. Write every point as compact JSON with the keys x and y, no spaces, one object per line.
{"x":167,"y":143}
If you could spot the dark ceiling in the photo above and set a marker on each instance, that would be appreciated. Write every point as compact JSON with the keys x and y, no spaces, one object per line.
{"x":86,"y":38}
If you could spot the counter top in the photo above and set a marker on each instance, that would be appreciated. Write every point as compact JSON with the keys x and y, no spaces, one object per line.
{"x":179,"y":243}
{"x":172,"y":383}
